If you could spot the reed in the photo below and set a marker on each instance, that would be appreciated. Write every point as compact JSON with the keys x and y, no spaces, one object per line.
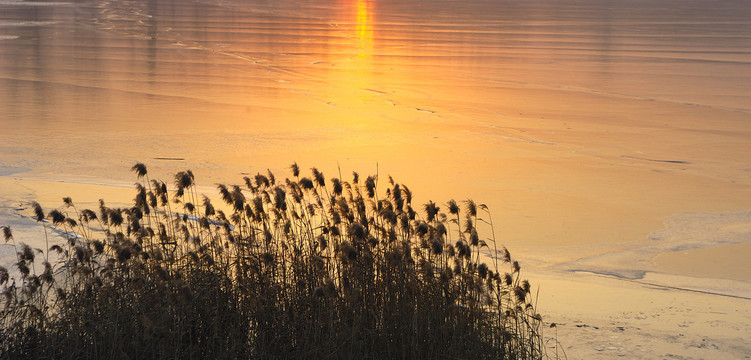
{"x":301,"y":268}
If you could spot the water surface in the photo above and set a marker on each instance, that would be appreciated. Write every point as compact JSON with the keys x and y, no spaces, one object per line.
{"x":583,"y":124}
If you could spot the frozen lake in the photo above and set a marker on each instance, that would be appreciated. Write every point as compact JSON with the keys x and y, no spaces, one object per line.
{"x":610,"y":137}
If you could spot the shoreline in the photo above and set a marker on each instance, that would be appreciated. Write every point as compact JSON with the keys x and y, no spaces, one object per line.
{"x":596,"y":315}
{"x":634,"y":261}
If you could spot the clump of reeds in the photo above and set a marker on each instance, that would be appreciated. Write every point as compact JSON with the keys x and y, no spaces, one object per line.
{"x":307,"y":267}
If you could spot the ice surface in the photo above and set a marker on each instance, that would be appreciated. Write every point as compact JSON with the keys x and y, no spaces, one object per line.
{"x":586,"y":126}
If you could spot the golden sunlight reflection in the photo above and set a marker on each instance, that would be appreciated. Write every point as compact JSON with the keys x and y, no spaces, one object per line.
{"x":364,"y":28}
{"x":351,"y":76}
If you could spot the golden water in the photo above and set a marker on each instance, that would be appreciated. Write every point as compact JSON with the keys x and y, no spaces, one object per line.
{"x":582,"y":124}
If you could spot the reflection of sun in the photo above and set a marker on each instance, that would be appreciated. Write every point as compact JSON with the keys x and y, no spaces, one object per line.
{"x":364,"y":28}
{"x":352,"y":76}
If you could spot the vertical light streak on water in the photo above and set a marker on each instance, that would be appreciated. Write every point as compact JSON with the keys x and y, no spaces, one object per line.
{"x":363,"y":61}
{"x":364,"y":28}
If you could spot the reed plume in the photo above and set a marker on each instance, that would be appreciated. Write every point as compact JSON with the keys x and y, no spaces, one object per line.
{"x":7,"y":233}
{"x":139,"y":169}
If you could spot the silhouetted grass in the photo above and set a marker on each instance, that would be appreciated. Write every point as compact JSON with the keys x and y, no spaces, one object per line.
{"x":304,"y":268}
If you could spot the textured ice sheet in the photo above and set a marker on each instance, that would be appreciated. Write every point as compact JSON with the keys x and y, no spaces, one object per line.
{"x":10,"y":170}
{"x":33,"y":3}
{"x":686,"y":231}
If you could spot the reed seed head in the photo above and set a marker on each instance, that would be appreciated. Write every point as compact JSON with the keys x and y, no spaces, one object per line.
{"x":139,"y":169}
{"x":271,"y":177}
{"x":471,"y":208}
{"x":474,"y":239}
{"x":520,"y":294}
{"x":507,"y":279}
{"x":23,"y":269}
{"x":38,"y":212}
{"x":322,"y":242}
{"x":57,"y":249}
{"x":115,"y":217}
{"x":98,"y":246}
{"x":357,"y":232}
{"x":453,"y":207}
{"x":7,"y":233}
{"x":436,"y":247}
{"x":440,"y":229}
{"x":208,"y":207}
{"x":295,"y":170}
{"x":431,"y":210}
{"x":306,"y":183}
{"x":398,"y":199}
{"x":370,"y":186}
{"x":57,"y":217}
{"x":152,"y":199}
{"x":349,"y":251}
{"x":124,"y":253}
{"x":280,"y":199}
{"x":336,"y":185}
{"x":26,"y":254}
{"x":262,"y":181}
{"x":4,"y":275}
{"x":506,"y":255}
{"x":422,"y":229}
{"x":482,"y":270}
{"x":318,"y":177}
{"x":184,"y":180}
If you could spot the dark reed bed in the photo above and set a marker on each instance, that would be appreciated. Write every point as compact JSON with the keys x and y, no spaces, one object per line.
{"x":307,"y":267}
